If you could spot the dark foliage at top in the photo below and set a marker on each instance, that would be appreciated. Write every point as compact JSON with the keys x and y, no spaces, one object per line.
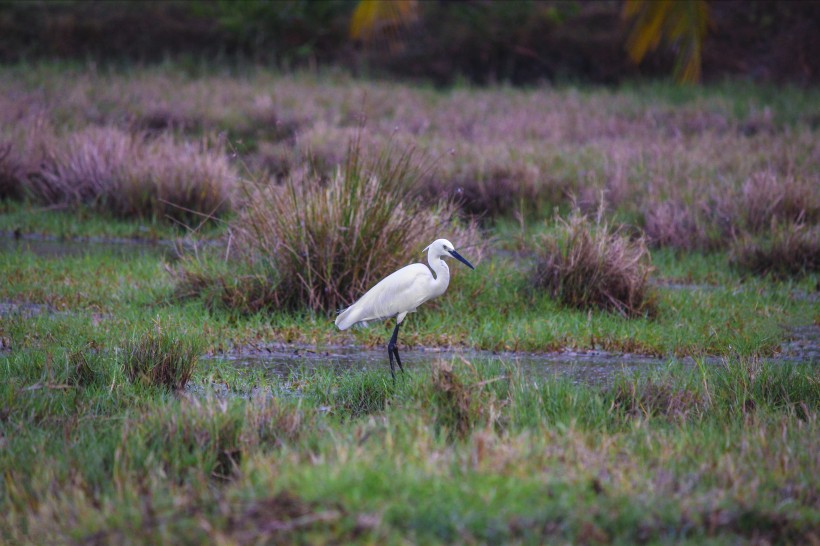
{"x":520,"y":41}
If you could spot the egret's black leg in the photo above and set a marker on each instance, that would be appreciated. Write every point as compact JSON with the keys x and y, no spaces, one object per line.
{"x":393,"y":350}
{"x":396,"y":352}
{"x":392,"y":366}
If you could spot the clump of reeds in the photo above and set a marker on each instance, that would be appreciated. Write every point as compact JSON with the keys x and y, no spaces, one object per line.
{"x":789,"y":249}
{"x":588,"y":264}
{"x":161,"y":358}
{"x":322,"y":243}
{"x":130,"y":175}
{"x":22,"y":147}
{"x":677,"y":225}
{"x":245,"y":284}
{"x":11,"y":173}
{"x":766,"y":198}
{"x":501,"y":190}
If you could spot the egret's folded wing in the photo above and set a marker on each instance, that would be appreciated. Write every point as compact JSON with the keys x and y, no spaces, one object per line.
{"x":399,"y":292}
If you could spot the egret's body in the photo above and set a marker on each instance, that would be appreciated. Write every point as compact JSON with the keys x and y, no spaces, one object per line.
{"x":402,"y":292}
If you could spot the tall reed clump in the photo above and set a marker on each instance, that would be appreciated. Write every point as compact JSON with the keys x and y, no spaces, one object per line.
{"x":767,"y":199}
{"x":324,"y":242}
{"x":22,"y":148}
{"x":675,"y":224}
{"x":131,"y":175}
{"x":11,"y":173}
{"x":789,"y":249}
{"x":587,"y":264}
{"x":161,"y":358}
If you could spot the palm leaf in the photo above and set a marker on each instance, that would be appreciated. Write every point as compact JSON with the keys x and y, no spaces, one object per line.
{"x":679,"y":24}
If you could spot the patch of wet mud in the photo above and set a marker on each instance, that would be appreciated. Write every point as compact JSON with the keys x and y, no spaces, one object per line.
{"x":27,"y":310}
{"x":803,"y":345}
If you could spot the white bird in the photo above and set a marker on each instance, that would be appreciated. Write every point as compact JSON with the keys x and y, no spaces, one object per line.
{"x":402,"y":292}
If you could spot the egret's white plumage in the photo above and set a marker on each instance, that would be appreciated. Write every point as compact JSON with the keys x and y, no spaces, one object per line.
{"x":402,"y":292}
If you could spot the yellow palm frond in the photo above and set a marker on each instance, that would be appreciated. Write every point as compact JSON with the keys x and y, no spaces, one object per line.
{"x":373,"y":19}
{"x":681,"y":24}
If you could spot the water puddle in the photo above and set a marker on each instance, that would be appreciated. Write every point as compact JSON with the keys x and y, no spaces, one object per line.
{"x":590,"y":368}
{"x":49,"y":247}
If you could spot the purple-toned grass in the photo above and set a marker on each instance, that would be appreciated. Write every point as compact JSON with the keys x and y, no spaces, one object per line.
{"x":131,"y":175}
{"x":22,"y":148}
{"x":498,"y":152}
{"x":791,"y":249}
{"x":766,"y":198}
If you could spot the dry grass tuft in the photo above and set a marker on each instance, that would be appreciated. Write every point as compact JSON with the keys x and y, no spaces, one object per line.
{"x":130,"y":175}
{"x":11,"y":173}
{"x":325,"y":242}
{"x":161,"y":359}
{"x":791,"y":249}
{"x":766,"y":199}
{"x":676,"y":225}
{"x":22,"y":148}
{"x":587,"y":265}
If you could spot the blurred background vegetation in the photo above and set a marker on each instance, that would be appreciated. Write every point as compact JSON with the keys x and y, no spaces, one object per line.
{"x":441,"y":41}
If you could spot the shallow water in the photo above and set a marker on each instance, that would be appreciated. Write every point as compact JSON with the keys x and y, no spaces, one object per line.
{"x":589,"y":368}
{"x":57,"y":248}
{"x":593,"y":367}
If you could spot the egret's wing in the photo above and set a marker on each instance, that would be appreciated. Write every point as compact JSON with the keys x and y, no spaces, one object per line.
{"x":399,"y":292}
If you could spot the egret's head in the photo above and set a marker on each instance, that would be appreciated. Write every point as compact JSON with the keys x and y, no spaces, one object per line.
{"x":443,"y":247}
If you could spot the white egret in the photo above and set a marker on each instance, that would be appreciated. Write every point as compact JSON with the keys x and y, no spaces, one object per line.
{"x":402,"y":292}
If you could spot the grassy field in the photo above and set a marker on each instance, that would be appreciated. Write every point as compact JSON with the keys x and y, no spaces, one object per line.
{"x":650,"y":220}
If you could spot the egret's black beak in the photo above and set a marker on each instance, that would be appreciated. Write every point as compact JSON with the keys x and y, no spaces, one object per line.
{"x":460,"y":258}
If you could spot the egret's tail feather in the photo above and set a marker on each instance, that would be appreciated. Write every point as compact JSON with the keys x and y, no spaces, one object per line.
{"x":347,"y":318}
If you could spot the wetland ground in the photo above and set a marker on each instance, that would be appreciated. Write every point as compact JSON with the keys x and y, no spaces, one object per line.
{"x":529,"y":414}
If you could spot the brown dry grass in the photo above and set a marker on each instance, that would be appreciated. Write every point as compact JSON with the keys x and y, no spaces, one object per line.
{"x":588,"y":264}
{"x":22,"y":149}
{"x":326,"y":242}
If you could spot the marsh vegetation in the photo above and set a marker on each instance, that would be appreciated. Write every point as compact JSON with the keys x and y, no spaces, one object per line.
{"x":680,"y":223}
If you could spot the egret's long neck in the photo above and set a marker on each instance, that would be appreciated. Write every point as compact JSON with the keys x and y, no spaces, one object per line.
{"x":441,"y":271}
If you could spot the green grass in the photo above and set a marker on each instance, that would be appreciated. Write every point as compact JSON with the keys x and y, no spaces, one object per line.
{"x":80,"y":222}
{"x":492,"y":308}
{"x":720,"y":448}
{"x":551,"y":461}
{"x":689,"y":454}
